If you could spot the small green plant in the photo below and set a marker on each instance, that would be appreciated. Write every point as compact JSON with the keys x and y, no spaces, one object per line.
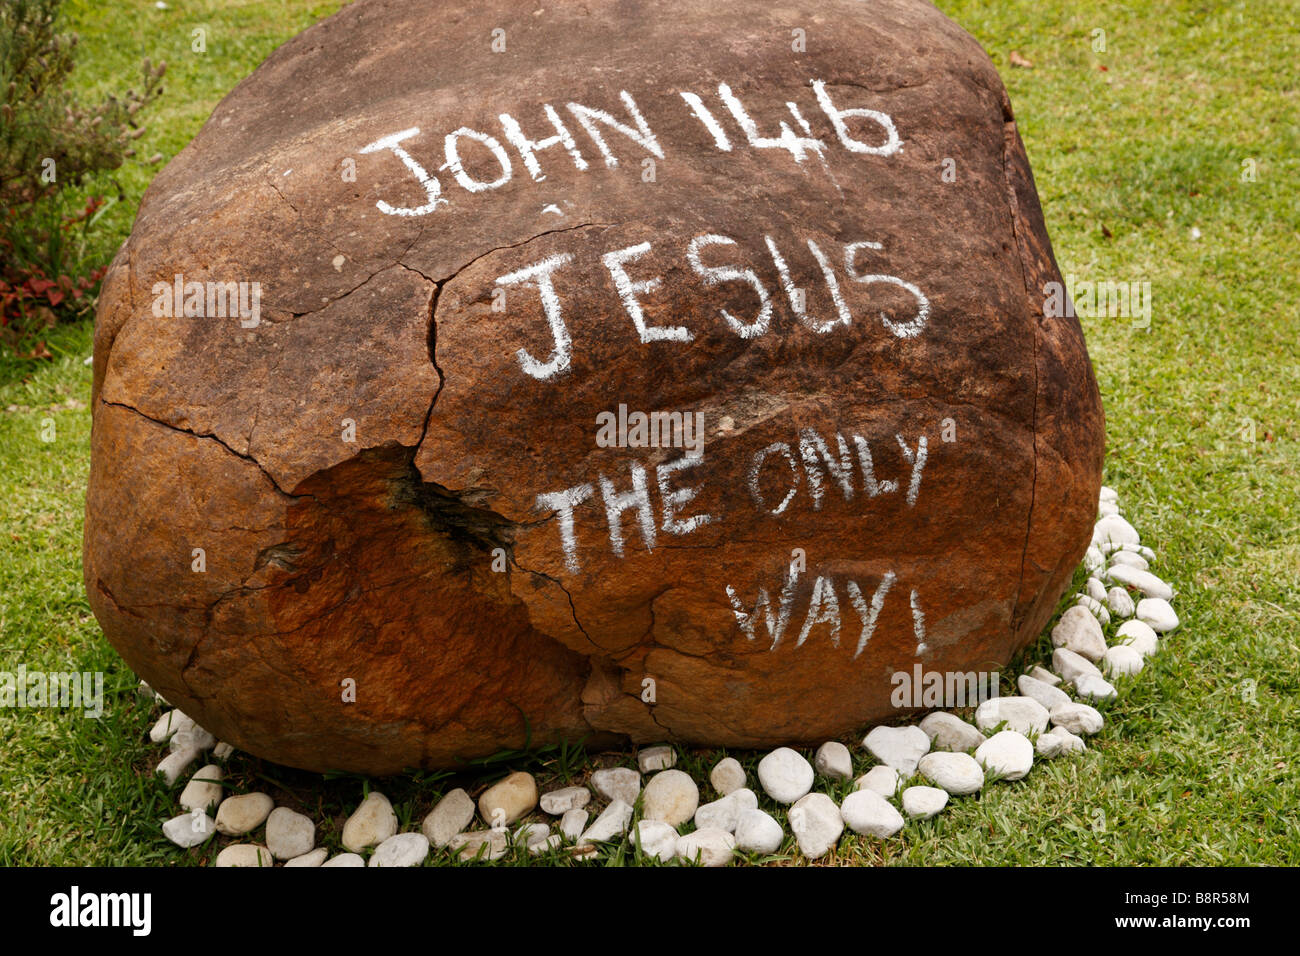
{"x":50,"y":142}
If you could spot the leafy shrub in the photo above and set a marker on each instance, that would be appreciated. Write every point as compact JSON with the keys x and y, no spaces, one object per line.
{"x":50,"y":141}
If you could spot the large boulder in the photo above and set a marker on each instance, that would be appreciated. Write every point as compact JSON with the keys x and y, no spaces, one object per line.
{"x":370,"y":486}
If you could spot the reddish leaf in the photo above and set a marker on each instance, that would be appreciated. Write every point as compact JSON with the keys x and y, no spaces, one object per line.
{"x":39,"y":351}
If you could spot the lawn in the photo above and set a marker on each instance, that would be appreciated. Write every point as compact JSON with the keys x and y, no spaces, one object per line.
{"x":1169,"y":157}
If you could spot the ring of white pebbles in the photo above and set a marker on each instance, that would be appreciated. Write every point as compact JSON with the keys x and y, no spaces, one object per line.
{"x":919,"y":768}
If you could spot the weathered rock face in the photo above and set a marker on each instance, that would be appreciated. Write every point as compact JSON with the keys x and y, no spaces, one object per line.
{"x":378,"y":518}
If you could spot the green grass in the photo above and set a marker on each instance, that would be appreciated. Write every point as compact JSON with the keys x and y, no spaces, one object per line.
{"x":1196,"y":764}
{"x":117,"y":37}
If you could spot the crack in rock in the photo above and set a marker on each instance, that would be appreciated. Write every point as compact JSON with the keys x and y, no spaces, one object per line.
{"x":206,"y":435}
{"x":1013,"y":208}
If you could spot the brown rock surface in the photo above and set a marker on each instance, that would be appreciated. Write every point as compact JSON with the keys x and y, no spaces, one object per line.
{"x":388,"y":314}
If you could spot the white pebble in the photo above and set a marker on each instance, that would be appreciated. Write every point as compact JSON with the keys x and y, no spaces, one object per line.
{"x":1071,"y":742}
{"x":1120,"y":602}
{"x":173,"y":765}
{"x":1113,"y":530}
{"x":1131,"y":559}
{"x":550,"y":844}
{"x":313,"y":859}
{"x":449,"y":816}
{"x":727,"y":775}
{"x":244,"y":855}
{"x":1078,"y":718}
{"x":371,"y":823}
{"x":507,"y":800}
{"x":834,"y":761}
{"x":1094,"y":688}
{"x":344,"y":860}
{"x":785,"y":775}
{"x":223,"y":751}
{"x":617,"y":783}
{"x":1007,"y":753}
{"x":557,"y":802}
{"x":922,"y":803}
{"x":610,"y":824}
{"x":949,"y":732}
{"x":1078,"y":631}
{"x":1071,"y":666}
{"x":670,"y":797}
{"x":289,"y":834}
{"x":758,"y":832}
{"x":1095,"y":608}
{"x":1143,"y":581}
{"x":882,"y":780}
{"x":168,"y":725}
{"x":1108,"y":494}
{"x":1140,"y":549}
{"x":1095,"y":589}
{"x":1048,"y":745}
{"x":244,"y":813}
{"x":1158,"y":614}
{"x":706,"y":847}
{"x":1139,"y":636}
{"x":401,"y":849}
{"x":189,"y":829}
{"x":1046,"y":694}
{"x":203,"y":792}
{"x":193,"y":738}
{"x":656,"y":758}
{"x":531,"y":834}
{"x":655,"y":839}
{"x":816,"y":823}
{"x":1022,"y":714}
{"x":1122,"y":659}
{"x":1093,"y":560}
{"x":573,"y":823}
{"x":724,"y":814}
{"x":867,"y":812}
{"x":480,"y":845}
{"x":957,"y":774}
{"x":898,"y":747}
{"x":1044,"y":675}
